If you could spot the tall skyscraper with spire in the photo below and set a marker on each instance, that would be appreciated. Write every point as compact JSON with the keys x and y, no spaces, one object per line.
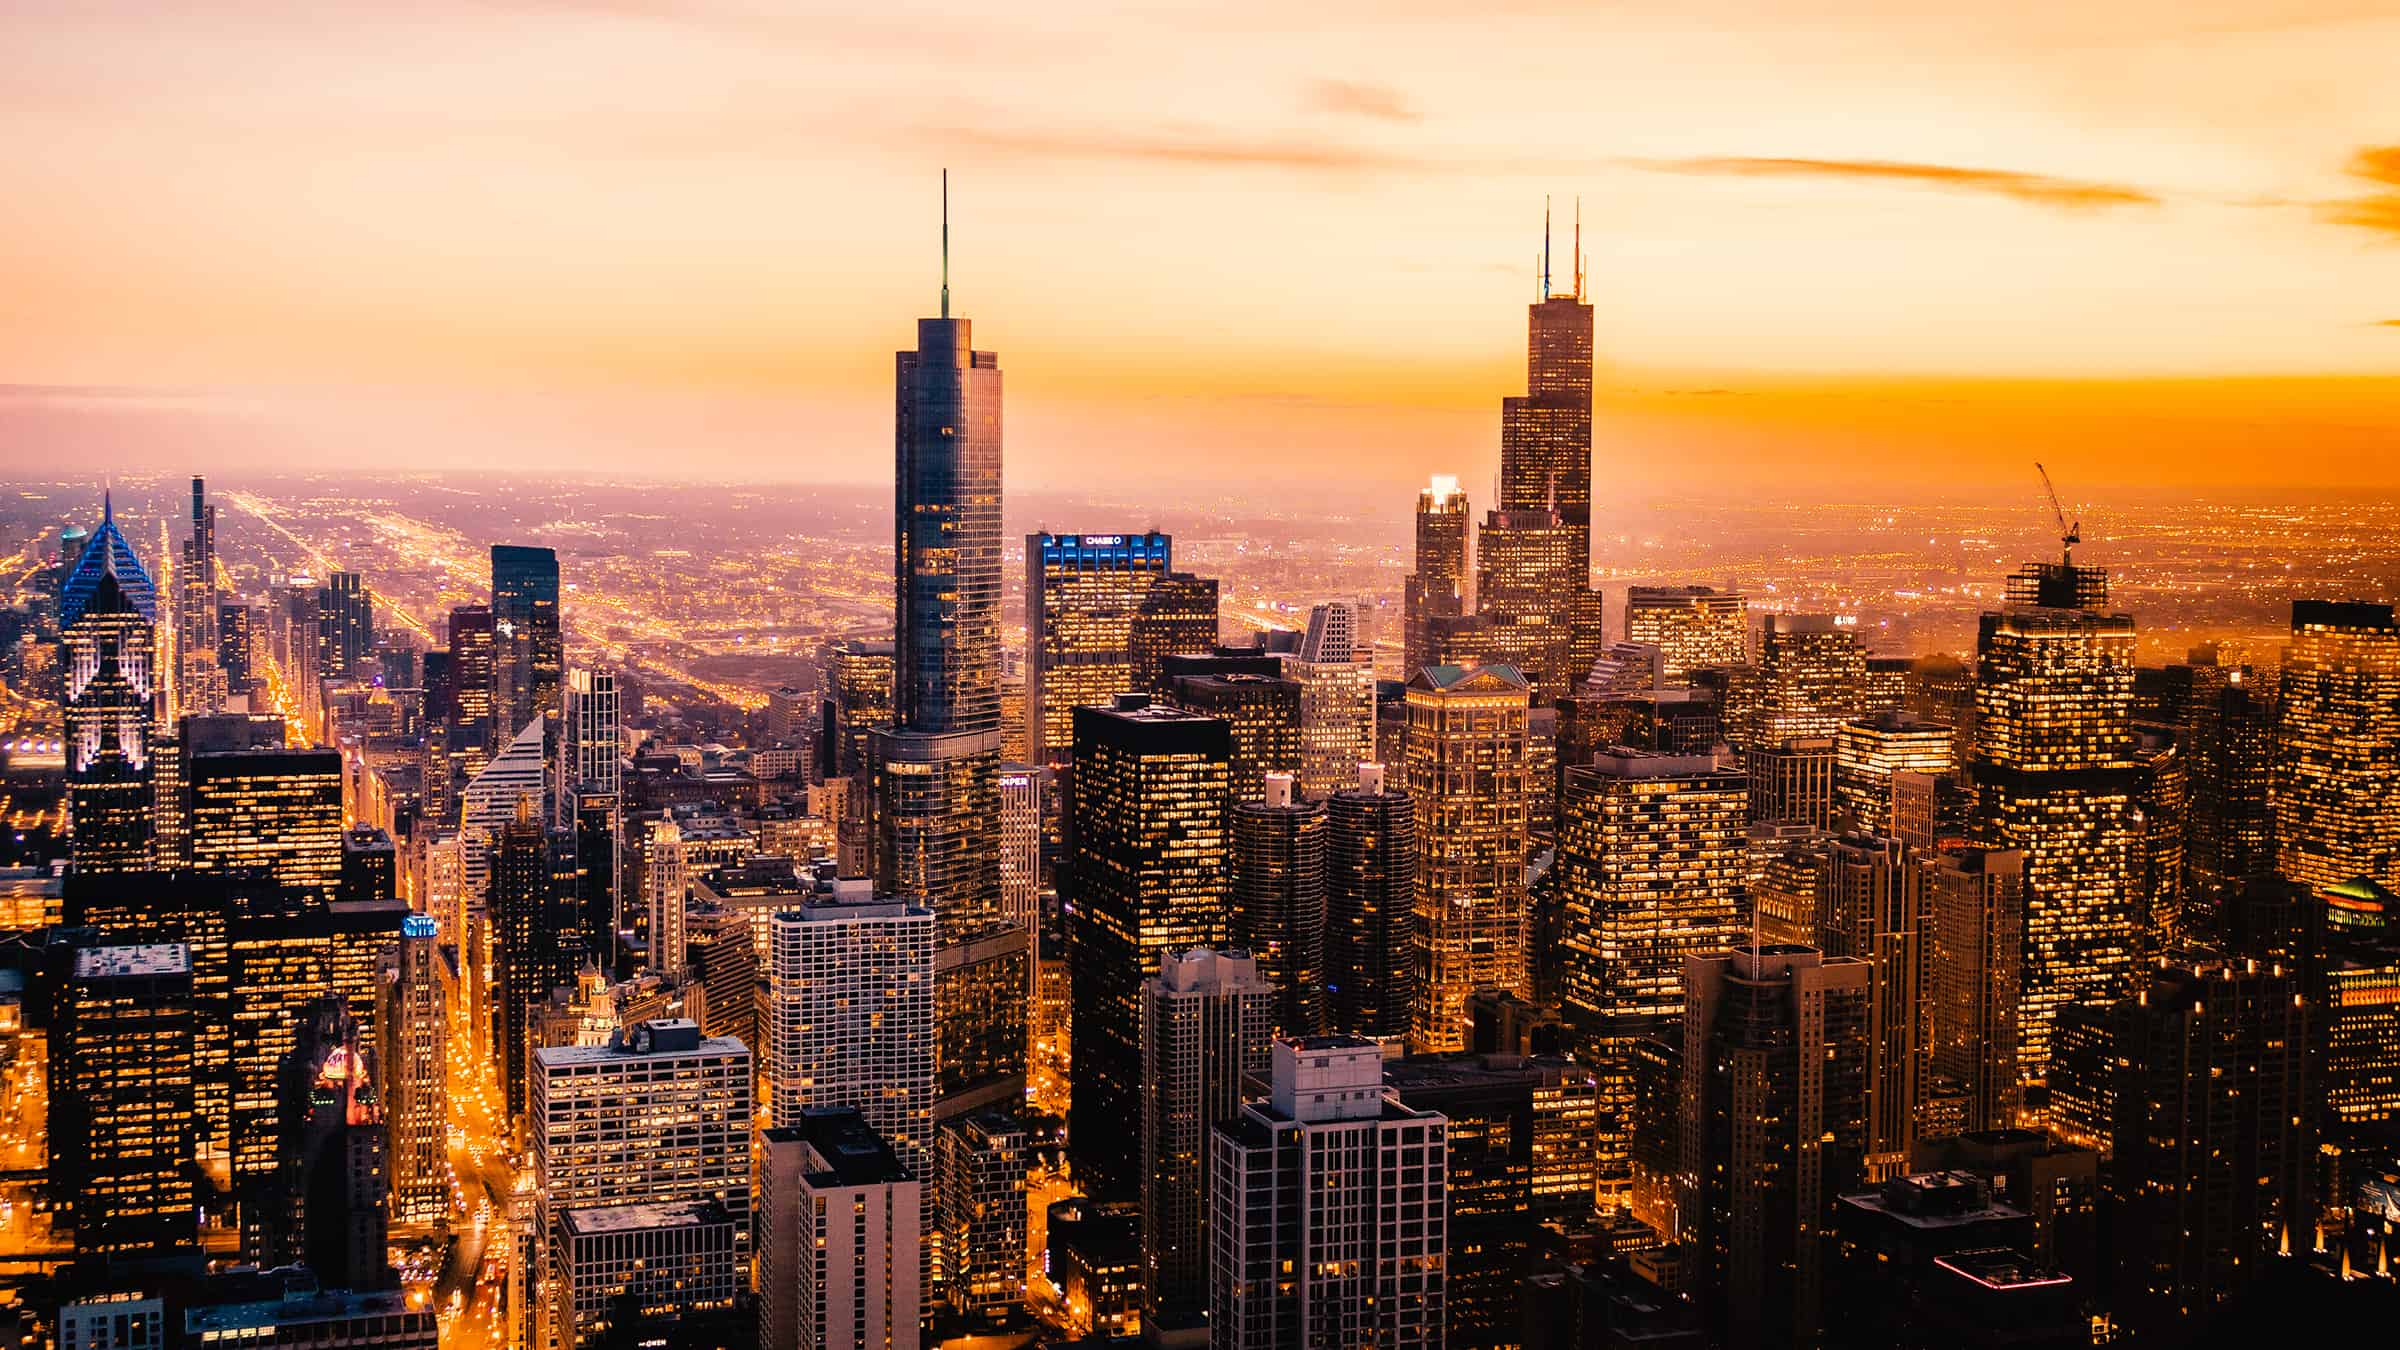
{"x":1535,"y":556}
{"x":937,"y":768}
{"x":200,"y":676}
{"x":108,"y":616}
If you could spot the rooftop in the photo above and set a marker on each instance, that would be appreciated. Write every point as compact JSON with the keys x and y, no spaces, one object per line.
{"x":152,"y":958}
{"x":644,"y":1218}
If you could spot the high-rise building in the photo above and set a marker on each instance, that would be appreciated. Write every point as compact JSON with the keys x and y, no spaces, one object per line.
{"x":2360,"y":1016}
{"x":329,"y":1208}
{"x":1868,"y":750}
{"x":108,"y":612}
{"x":1279,"y":909}
{"x":1972,"y":906}
{"x":1263,"y":714}
{"x":474,"y":732}
{"x":238,"y":627}
{"x":980,"y":1165}
{"x":841,"y":1229}
{"x":1304,"y":1251}
{"x":648,"y":1274}
{"x":2056,"y":781}
{"x":1693,"y":627}
{"x":416,"y":1070}
{"x":528,"y":651}
{"x":587,"y":738}
{"x":1649,"y":873}
{"x":858,"y":679}
{"x":1775,"y":1065}
{"x":122,"y":1124}
{"x":2162,"y":801}
{"x":1810,"y":671}
{"x":1336,"y":674}
{"x":1082,"y":592}
{"x":490,"y":800}
{"x":666,"y":885}
{"x":1146,"y":863}
{"x":1021,"y":788}
{"x":1528,"y":596}
{"x":1520,"y":1145}
{"x":1470,"y":777}
{"x":1792,"y":782}
{"x":1178,"y":618}
{"x":1206,"y":1026}
{"x":1868,"y":910}
{"x":593,"y":826}
{"x":272,"y":812}
{"x":537,"y":945}
{"x":850,"y":987}
{"x":1437,"y":589}
{"x":2212,"y":1136}
{"x":2230,"y":839}
{"x":1371,"y":853}
{"x":345,"y":625}
{"x":2337,"y":775}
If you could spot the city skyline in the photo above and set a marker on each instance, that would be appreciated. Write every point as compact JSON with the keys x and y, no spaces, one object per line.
{"x":1809,"y":262}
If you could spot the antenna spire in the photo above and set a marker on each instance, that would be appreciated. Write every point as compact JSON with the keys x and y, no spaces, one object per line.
{"x":945,"y":243}
{"x":1545,"y":247}
{"x":1579,"y":246}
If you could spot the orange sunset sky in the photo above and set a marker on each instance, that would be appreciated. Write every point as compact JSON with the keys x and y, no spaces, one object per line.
{"x":1836,"y":246}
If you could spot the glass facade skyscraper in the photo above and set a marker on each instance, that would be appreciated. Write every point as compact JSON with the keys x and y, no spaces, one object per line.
{"x":1082,"y":593}
{"x":528,"y":652}
{"x":2337,"y":782}
{"x":1471,"y":778}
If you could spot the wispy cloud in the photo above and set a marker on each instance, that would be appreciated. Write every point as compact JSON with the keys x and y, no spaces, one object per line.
{"x":2379,"y":210}
{"x":1196,"y":150}
{"x":2387,"y":323}
{"x":2037,"y":189}
{"x":1353,"y":98}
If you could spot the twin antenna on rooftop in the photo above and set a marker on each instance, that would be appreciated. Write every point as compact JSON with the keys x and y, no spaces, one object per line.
{"x":1578,"y":293}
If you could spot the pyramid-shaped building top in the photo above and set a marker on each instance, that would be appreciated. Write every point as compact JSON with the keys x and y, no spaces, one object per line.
{"x":105,"y":554}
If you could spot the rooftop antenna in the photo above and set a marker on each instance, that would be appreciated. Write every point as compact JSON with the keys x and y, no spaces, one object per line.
{"x":1579,"y":246}
{"x":945,"y":243}
{"x":1545,"y":247}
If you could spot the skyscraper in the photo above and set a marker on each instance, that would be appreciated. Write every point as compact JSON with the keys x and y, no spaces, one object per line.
{"x":1082,"y":592}
{"x":1021,"y":788}
{"x":1336,"y":674}
{"x":416,"y":1070}
{"x":1145,"y":875}
{"x":1649,"y":873}
{"x":979,"y":1166}
{"x":1868,"y":910}
{"x":1972,"y":906}
{"x":107,"y":613}
{"x":2230,"y":840}
{"x":1775,"y":1063}
{"x":275,"y":812}
{"x":1810,"y":672}
{"x":1262,"y":712}
{"x":2337,"y":778}
{"x":1206,"y":1025}
{"x":1471,"y":779}
{"x":1279,"y":900}
{"x":122,"y":1127}
{"x":345,"y":624}
{"x":1437,"y":589}
{"x":1179,"y":618}
{"x":859,"y":679}
{"x":201,"y":677}
{"x":1310,"y":1254}
{"x":473,"y":733}
{"x":1692,"y":626}
{"x":1371,"y":854}
{"x":536,"y":944}
{"x":528,"y":651}
{"x":588,"y":756}
{"x":850,"y":989}
{"x":1868,"y":750}
{"x":841,"y":1226}
{"x":2056,"y":781}
{"x":329,"y":1209}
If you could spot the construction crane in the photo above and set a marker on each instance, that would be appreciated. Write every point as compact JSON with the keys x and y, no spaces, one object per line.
{"x":2068,"y":535}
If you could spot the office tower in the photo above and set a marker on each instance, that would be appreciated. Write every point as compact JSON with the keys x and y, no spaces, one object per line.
{"x":792,"y":716}
{"x":536,"y":944}
{"x":1278,"y":912}
{"x":1371,"y":853}
{"x":1304,"y":1252}
{"x":1082,"y":592}
{"x":1336,"y":674}
{"x":528,"y":653}
{"x":1470,"y":775}
{"x":1437,"y":588}
{"x":587,"y":737}
{"x":269,"y":811}
{"x":2212,"y":1135}
{"x":1775,"y":1061}
{"x":2230,"y":840}
{"x":858,"y":678}
{"x":345,"y":625}
{"x":2162,"y":801}
{"x":107,"y":615}
{"x":471,"y":733}
{"x":841,"y":1225}
{"x":1692,"y":626}
{"x":1884,"y":1282}
{"x":1263,"y":714}
{"x":197,"y":604}
{"x":2360,"y":1014}
{"x":1810,"y":670}
{"x":122,"y":1126}
{"x":1206,"y":1026}
{"x":658,"y":1116}
{"x":328,"y":1207}
{"x":416,"y":1067}
{"x":2337,"y":773}
{"x":370,"y":866}
{"x":850,"y":984}
{"x":1649,"y":873}
{"x":1791,"y":782}
{"x":592,"y":826}
{"x":647,"y":1274}
{"x":980,"y":1176}
{"x":1869,"y":910}
{"x":1868,"y":750}
{"x":1145,"y":875}
{"x":1020,"y":844}
{"x":1527,"y":596}
{"x":1520,"y":1153}
{"x":666,"y":883}
{"x":490,"y":801}
{"x":2055,"y":779}
{"x":1179,"y":617}
{"x":1971,"y":904}
{"x":237,"y":644}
